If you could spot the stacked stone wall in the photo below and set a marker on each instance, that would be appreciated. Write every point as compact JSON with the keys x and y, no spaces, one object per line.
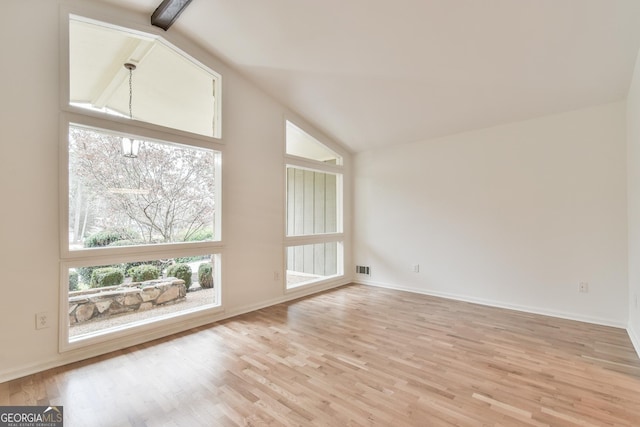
{"x":108,"y":301}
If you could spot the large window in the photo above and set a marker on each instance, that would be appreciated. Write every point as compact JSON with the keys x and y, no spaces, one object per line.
{"x":142,"y":243}
{"x":314,"y":210}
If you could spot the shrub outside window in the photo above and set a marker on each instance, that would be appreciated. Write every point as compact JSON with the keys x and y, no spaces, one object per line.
{"x":104,"y":299}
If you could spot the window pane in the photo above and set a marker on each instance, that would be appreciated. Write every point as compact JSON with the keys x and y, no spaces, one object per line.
{"x":164,"y":193}
{"x":167,"y":88}
{"x":310,"y":263}
{"x":301,"y":144}
{"x":312,"y":202}
{"x":103,"y":298}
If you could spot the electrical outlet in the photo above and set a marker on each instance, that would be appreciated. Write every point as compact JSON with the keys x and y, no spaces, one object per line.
{"x":42,"y":320}
{"x":583,"y":287}
{"x":415,"y":268}
{"x":276,"y":275}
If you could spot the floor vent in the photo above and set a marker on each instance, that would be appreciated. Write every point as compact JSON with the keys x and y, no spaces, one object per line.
{"x":361,"y":269}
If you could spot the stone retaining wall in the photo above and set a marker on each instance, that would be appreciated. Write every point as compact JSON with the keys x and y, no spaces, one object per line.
{"x":110,"y":300}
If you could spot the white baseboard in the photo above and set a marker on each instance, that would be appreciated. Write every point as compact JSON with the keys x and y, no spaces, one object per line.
{"x":292,"y":294}
{"x":500,"y":304}
{"x":634,"y":336}
{"x":180,"y":326}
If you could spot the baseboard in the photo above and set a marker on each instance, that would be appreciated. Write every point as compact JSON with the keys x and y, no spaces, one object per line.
{"x":634,"y":336}
{"x":178,"y":327}
{"x":500,"y":304}
{"x":288,"y":296}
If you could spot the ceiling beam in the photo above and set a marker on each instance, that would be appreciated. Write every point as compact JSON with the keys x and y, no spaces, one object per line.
{"x":168,"y":11}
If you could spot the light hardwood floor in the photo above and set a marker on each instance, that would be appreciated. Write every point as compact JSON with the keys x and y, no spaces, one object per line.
{"x":356,"y":356}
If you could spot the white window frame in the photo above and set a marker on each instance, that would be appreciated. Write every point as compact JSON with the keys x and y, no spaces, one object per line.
{"x":72,"y":115}
{"x":310,"y":239}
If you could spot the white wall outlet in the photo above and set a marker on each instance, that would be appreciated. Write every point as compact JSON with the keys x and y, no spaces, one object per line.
{"x":583,"y":287}
{"x":276,"y":275}
{"x":42,"y":320}
{"x":415,"y":268}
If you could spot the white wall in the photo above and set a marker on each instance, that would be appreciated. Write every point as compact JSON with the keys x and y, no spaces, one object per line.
{"x":253,"y":190}
{"x":514,"y":216}
{"x":633,"y":198}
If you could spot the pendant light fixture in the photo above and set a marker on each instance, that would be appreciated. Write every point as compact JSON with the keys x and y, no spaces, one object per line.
{"x":130,"y":146}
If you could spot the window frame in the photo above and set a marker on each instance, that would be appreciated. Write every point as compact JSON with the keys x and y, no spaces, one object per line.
{"x":72,"y":115}
{"x":74,"y":119}
{"x":297,"y":162}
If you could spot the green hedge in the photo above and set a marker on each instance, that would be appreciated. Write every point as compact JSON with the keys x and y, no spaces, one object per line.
{"x":126,"y":242}
{"x":200,"y":235}
{"x":73,"y":280}
{"x":129,"y":266}
{"x":106,"y":276}
{"x":144,"y":272}
{"x":205,"y":275}
{"x":108,"y":237}
{"x":85,"y":273}
{"x":182,"y":272}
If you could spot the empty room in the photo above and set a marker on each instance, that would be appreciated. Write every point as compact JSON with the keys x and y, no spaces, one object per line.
{"x":286,"y":213}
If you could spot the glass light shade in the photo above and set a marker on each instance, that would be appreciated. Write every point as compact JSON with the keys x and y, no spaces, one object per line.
{"x":130,"y":147}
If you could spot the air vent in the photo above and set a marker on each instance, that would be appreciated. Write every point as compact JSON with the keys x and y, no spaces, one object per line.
{"x":361,"y":269}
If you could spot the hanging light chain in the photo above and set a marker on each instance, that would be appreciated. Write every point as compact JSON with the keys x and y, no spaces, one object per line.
{"x":129,"y":66}
{"x":130,"y":93}
{"x":130,"y":146}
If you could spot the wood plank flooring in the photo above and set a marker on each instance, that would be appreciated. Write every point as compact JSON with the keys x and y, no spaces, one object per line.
{"x":356,"y":356}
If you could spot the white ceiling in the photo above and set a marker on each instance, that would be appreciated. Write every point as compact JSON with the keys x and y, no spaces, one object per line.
{"x":374,"y":72}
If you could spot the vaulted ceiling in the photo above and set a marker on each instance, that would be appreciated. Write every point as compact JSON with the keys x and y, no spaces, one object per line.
{"x":371,"y":72}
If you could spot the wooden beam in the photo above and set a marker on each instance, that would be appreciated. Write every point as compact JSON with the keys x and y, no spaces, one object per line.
{"x":168,"y":11}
